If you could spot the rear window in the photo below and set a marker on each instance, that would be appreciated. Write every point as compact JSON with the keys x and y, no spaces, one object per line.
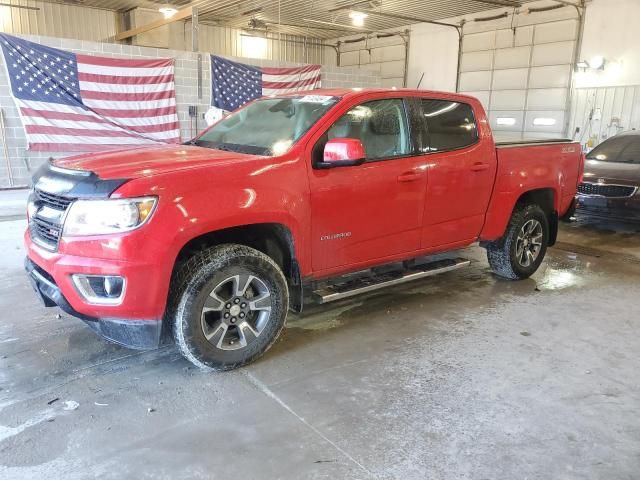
{"x":623,"y":149}
{"x":451,"y":125}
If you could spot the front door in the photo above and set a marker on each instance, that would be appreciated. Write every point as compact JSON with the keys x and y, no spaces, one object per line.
{"x":363,"y":213}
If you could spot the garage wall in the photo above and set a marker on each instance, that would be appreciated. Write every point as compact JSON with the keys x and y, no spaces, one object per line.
{"x":225,"y":41}
{"x":522,"y":75}
{"x":603,"y":112}
{"x":186,"y":73}
{"x":384,"y":55}
{"x":230,"y":41}
{"x":611,"y":31}
{"x":433,"y":51}
{"x":607,"y":102}
{"x":57,"y":20}
{"x":494,"y":54}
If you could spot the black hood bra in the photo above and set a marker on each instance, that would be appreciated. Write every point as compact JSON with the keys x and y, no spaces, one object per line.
{"x":73,"y":183}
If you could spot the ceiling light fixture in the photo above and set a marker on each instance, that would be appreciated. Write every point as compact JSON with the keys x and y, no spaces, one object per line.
{"x":167,"y":12}
{"x":357,"y":18}
{"x":597,"y":62}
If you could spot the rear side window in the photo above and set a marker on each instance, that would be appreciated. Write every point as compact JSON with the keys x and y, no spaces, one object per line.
{"x":451,"y":125}
{"x":623,"y":149}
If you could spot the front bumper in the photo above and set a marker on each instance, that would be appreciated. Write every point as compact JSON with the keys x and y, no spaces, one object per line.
{"x":137,"y":334}
{"x":622,"y":209}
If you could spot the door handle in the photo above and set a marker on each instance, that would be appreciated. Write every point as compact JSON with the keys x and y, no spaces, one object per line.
{"x":479,"y":167}
{"x":410,"y":176}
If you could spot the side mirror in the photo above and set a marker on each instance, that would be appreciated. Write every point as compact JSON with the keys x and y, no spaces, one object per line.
{"x":342,"y":152}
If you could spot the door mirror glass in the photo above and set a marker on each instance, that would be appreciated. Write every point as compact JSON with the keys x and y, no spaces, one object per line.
{"x":343,"y":152}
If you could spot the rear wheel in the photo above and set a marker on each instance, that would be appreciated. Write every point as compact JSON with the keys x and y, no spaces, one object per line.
{"x":230,"y":305}
{"x":520,"y":252}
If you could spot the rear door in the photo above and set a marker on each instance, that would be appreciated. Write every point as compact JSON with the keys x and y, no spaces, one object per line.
{"x":363,"y":213}
{"x":462,"y":168}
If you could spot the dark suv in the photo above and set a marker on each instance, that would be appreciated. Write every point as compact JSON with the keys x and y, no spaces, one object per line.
{"x":611,"y":179}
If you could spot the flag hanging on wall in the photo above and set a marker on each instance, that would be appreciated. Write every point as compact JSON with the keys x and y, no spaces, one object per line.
{"x":70,"y":102}
{"x":235,"y":84}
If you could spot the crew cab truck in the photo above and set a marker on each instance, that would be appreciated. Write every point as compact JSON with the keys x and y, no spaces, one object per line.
{"x":212,"y":242}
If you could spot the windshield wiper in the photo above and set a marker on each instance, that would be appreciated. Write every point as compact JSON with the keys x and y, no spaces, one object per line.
{"x":215,"y":145}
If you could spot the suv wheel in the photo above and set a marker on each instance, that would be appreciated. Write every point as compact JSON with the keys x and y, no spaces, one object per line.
{"x":520,"y":252}
{"x":229,"y":305}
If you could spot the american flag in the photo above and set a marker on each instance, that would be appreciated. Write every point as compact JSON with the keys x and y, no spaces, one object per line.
{"x":235,"y":84}
{"x":70,"y":102}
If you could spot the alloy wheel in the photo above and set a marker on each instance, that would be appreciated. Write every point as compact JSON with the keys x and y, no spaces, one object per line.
{"x":529,"y":243}
{"x":236,"y":312}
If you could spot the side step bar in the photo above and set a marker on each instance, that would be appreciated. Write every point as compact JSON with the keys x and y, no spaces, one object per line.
{"x":352,"y":287}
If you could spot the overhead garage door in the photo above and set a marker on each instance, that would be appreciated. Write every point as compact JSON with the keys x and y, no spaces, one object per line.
{"x":522,"y":76}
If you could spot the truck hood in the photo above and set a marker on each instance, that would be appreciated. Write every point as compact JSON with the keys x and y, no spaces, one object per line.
{"x":610,"y":172}
{"x":148,"y":161}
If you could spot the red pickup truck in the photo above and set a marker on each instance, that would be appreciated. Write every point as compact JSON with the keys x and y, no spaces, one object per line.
{"x":212,"y":242}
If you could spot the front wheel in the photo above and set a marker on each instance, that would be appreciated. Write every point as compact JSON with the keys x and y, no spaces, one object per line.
{"x":520,"y":252}
{"x":229,"y":305}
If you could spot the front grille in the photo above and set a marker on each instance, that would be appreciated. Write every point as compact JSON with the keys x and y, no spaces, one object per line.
{"x":45,"y":231}
{"x":612,"y":191}
{"x":56,"y":202}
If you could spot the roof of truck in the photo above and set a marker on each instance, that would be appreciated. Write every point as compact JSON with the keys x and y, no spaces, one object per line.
{"x":356,"y":91}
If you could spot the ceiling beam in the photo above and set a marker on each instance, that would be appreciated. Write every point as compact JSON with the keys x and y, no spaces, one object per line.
{"x":501,"y":3}
{"x":346,"y":28}
{"x":571,"y":4}
{"x":179,"y":15}
{"x":403,"y":17}
{"x":18,"y":6}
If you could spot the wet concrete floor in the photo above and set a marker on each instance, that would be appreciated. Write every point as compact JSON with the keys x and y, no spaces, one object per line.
{"x":460,"y":376}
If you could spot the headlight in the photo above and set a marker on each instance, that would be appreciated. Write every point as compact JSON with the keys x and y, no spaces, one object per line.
{"x":31,"y":205}
{"x":101,"y":217}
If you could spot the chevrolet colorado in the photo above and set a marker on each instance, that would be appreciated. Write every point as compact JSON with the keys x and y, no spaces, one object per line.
{"x":212,"y":242}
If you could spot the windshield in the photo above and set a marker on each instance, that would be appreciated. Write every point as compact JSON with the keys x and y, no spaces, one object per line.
{"x":622,"y":149}
{"x":269,"y":126}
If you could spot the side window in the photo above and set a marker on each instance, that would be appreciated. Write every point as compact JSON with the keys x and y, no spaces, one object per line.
{"x":451,"y":125}
{"x":381,"y":126}
{"x":631,"y":154}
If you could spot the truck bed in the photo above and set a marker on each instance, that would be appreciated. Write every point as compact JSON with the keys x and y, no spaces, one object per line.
{"x":532,"y":142}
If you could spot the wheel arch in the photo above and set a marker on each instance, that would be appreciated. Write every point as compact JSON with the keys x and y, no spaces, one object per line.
{"x":273,"y":239}
{"x":546,"y":199}
{"x":504,"y":205}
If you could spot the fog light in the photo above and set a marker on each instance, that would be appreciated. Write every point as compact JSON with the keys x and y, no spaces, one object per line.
{"x":100,"y":289}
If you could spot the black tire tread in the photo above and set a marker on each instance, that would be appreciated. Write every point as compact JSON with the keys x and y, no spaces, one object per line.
{"x":183,"y":290}
{"x":499,"y":252}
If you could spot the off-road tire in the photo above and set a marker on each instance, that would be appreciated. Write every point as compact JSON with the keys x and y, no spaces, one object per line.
{"x":191,"y":285}
{"x":502,"y":253}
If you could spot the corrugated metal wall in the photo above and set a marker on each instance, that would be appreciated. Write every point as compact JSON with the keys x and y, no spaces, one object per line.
{"x":57,"y":20}
{"x":603,"y":112}
{"x":84,"y":23}
{"x":237,"y":43}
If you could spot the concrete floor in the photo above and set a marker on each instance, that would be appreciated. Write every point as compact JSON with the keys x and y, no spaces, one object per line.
{"x":461,"y":376}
